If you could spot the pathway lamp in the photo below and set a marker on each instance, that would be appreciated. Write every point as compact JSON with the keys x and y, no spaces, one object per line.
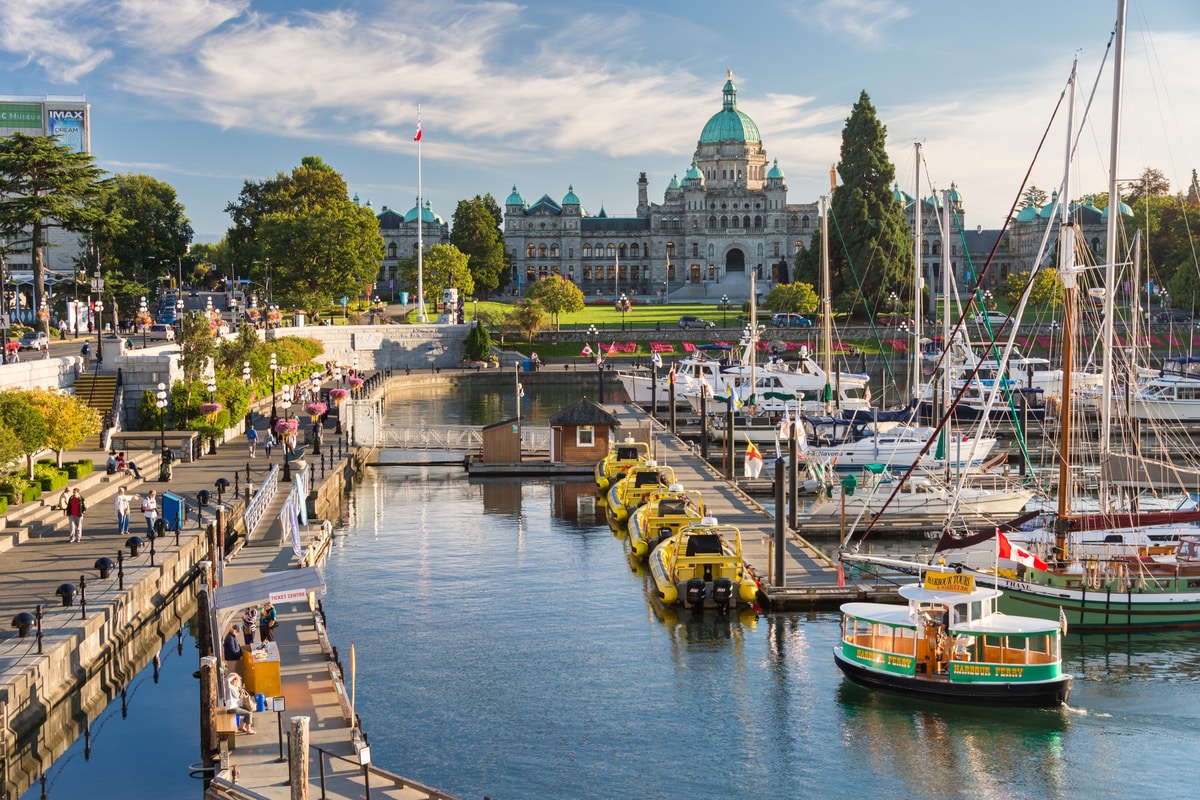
{"x":160,"y":402}
{"x":623,"y":307}
{"x":99,"y":330}
{"x":724,"y":308}
{"x":274,"y":412}
{"x":285,"y":397}
{"x":143,"y":312}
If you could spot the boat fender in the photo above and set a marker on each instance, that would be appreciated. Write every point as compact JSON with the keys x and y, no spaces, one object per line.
{"x":668,"y":594}
{"x":958,"y":569}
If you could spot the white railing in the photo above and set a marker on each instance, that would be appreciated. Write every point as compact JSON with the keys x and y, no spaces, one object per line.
{"x":455,"y":437}
{"x":257,"y":506}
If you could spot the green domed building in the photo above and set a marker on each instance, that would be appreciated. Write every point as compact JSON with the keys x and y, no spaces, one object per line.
{"x":726,"y":218}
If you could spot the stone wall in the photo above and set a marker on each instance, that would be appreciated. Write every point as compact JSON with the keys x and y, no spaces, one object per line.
{"x":384,"y":346}
{"x":34,"y":372}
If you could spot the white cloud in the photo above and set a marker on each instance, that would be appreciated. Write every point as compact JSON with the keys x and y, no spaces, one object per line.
{"x":35,"y":31}
{"x":159,"y":27}
{"x":864,"y":22}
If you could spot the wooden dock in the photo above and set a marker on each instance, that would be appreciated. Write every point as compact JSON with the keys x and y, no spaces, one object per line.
{"x":810,"y":578}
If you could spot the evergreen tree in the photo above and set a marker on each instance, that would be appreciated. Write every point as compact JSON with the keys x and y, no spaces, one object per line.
{"x":870,"y":251}
{"x":476,"y":233}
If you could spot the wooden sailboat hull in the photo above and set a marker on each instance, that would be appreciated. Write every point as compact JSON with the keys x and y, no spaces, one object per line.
{"x":1106,"y":610}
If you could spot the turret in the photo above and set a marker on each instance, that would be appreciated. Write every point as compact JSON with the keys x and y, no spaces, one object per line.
{"x":643,"y":206}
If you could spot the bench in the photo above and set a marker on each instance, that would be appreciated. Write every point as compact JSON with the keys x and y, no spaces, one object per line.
{"x":182,"y":443}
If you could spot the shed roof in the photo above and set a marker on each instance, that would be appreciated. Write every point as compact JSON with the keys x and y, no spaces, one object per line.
{"x":584,"y":412}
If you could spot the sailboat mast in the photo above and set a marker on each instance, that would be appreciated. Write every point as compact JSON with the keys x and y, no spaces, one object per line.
{"x":915,"y":378}
{"x":420,"y":228}
{"x":826,"y":306}
{"x":1110,"y":242}
{"x":1066,"y":270}
{"x":753,"y":338}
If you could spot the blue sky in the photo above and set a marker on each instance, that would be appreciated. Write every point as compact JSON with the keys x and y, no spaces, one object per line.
{"x":205,"y":94}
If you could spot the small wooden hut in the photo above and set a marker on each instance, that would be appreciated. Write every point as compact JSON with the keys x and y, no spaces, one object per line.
{"x":580,"y":433}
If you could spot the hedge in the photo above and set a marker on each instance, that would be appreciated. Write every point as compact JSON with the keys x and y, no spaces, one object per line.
{"x":5,"y":501}
{"x":54,"y":482}
{"x":31,"y":493}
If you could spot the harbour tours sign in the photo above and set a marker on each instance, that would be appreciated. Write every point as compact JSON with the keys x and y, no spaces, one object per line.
{"x":949,"y":582}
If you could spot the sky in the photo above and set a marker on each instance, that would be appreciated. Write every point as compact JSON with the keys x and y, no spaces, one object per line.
{"x":208,"y":94}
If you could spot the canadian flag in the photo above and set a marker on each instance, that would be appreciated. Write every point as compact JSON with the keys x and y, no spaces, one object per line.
{"x":1006,"y":549}
{"x":417,"y":137}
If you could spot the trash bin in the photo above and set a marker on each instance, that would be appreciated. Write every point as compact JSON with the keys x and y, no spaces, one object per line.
{"x":404,"y":298}
{"x":260,"y":702}
{"x":528,"y":365}
{"x":298,"y":319}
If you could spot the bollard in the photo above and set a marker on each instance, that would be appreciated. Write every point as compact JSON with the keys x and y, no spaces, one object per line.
{"x":24,"y":623}
{"x":121,"y":570}
{"x":247,"y":473}
{"x":152,"y":538}
{"x":237,"y":489}
{"x":67,"y":592}
{"x":37,"y":613}
{"x":104,"y":566}
{"x":83,"y":597}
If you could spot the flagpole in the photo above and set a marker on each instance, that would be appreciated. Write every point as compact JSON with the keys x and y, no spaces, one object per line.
{"x":421,"y":317}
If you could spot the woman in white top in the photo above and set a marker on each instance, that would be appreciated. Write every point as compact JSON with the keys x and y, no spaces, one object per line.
{"x":121,"y":504}
{"x":238,"y":701}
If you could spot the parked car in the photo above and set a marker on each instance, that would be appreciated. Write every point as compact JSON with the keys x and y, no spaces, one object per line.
{"x":992,"y":318}
{"x":790,"y":321}
{"x":1174,"y":317}
{"x":689,"y":322}
{"x":34,"y":340}
{"x":159,"y":331}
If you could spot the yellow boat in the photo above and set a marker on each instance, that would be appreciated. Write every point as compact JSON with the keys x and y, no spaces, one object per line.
{"x":702,"y":567}
{"x":621,"y":457}
{"x":637,"y":485}
{"x":662,"y":515}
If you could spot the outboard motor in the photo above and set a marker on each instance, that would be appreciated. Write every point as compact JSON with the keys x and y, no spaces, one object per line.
{"x":695,"y":593}
{"x":722,"y":593}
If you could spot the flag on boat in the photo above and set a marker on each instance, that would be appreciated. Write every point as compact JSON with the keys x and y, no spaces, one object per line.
{"x":417,"y":137}
{"x":754,"y":460}
{"x":1006,"y":549}
{"x":733,"y":400}
{"x":867,"y":395}
{"x":778,"y":452}
{"x":587,"y":350}
{"x":656,"y":360}
{"x":801,"y":438}
{"x":670,"y":375}
{"x":1062,"y":620}
{"x":706,"y":387}
{"x":785,"y":422}
{"x":612,"y":350}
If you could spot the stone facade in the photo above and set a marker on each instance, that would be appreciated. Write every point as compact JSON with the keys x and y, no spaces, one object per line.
{"x":400,"y":241}
{"x":728,"y":217}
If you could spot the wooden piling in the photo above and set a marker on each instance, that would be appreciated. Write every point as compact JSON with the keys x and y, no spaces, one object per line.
{"x":298,"y":758}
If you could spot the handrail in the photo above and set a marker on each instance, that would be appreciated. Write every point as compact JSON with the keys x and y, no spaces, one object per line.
{"x":257,"y":507}
{"x":396,"y":781}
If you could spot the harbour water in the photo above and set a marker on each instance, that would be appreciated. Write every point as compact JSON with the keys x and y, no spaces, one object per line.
{"x":506,"y":648}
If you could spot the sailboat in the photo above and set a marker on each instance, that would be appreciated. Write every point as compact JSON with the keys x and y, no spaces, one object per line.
{"x":1112,"y":584}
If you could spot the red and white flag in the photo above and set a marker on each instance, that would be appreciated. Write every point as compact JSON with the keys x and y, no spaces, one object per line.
{"x":417,"y":137}
{"x":587,"y":350}
{"x":1006,"y":549}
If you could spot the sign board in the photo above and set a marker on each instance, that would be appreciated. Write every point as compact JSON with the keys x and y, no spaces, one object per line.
{"x":97,"y":284}
{"x":949,"y":582}
{"x":275,"y":704}
{"x":289,"y":596}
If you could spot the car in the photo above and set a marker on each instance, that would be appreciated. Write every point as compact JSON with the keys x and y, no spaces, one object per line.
{"x":193,"y":293}
{"x":790,"y":321}
{"x":992,"y":318}
{"x":689,"y":322}
{"x":34,"y":340}
{"x":160,"y":331}
{"x":1173,"y":317}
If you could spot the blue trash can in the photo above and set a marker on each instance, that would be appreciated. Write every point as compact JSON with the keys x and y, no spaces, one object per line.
{"x":528,"y":365}
{"x":260,"y":702}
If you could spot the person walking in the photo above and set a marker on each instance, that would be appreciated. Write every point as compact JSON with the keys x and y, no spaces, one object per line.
{"x":75,"y":510}
{"x":252,"y":439}
{"x":150,"y":510}
{"x":269,"y":443}
{"x":121,"y":504}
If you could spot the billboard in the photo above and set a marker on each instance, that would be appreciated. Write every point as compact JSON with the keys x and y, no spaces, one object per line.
{"x":21,"y":115}
{"x":68,"y":124}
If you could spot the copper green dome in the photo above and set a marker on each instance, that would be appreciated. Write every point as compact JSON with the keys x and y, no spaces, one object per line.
{"x":693,"y":173}
{"x":1029,"y":213}
{"x":570,"y":199}
{"x":427,"y":214}
{"x":515,"y":198}
{"x":775,"y":171}
{"x":674,"y":184}
{"x":729,"y":124}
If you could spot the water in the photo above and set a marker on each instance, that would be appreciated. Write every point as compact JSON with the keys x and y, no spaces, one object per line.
{"x":506,"y":648}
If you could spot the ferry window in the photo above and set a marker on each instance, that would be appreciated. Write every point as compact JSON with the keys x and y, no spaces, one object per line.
{"x":1039,"y":644}
{"x":585,"y":436}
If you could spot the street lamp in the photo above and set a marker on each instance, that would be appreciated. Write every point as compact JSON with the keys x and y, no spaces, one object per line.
{"x":893,"y":301}
{"x":178,"y":312}
{"x":315,"y":383}
{"x":142,"y":312}
{"x":724,"y":308}
{"x":274,"y":412}
{"x":160,"y":402}
{"x":99,"y":331}
{"x":623,"y":306}
{"x":285,"y":397}
{"x":987,"y":300}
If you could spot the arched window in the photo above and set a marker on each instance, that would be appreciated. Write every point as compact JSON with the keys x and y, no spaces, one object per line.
{"x":746,"y":221}
{"x":722,"y":174}
{"x":541,"y":251}
{"x":612,"y":249}
{"x":634,"y":250}
{"x":587,"y":251}
{"x":695,"y":250}
{"x":937,"y":248}
{"x":587,"y":273}
{"x":621,"y":250}
{"x":724,"y":222}
{"x":670,"y":249}
{"x":735,"y":222}
{"x":553,"y":250}
{"x":924,"y":247}
{"x":712,"y":222}
{"x":531,"y":250}
{"x":805,"y":221}
{"x":757,"y":222}
{"x":392,"y":250}
{"x":792,"y":221}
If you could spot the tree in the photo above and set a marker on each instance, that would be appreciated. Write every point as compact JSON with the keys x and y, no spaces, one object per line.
{"x":156,"y":237}
{"x":875,"y":253}
{"x":556,"y":295}
{"x":320,"y":253}
{"x":478,"y":344}
{"x":19,"y":414}
{"x":44,"y":185}
{"x":1047,"y":289}
{"x":196,"y":345}
{"x":477,"y":233}
{"x":1035,"y":197}
{"x":70,"y":420}
{"x":1152,"y":184}
{"x":498,"y":320}
{"x":233,"y":354}
{"x":528,"y":317}
{"x":443,"y":267}
{"x":799,"y":298}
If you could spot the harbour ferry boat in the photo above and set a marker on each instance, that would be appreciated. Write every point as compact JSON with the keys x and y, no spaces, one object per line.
{"x":701,"y":566}
{"x":662,"y":515}
{"x":621,"y":456}
{"x":632,"y":490}
{"x":951,"y":644}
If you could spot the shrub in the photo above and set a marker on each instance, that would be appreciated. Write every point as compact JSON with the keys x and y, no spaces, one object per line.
{"x":87,"y":463}
{"x":31,"y":493}
{"x":148,"y":413}
{"x":3,"y":504}
{"x":78,"y":469}
{"x":478,"y":344}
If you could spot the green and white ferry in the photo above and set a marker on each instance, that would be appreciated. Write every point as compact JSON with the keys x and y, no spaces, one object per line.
{"x":951,"y":644}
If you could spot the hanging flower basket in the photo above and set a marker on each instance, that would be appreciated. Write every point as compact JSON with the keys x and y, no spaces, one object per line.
{"x":211,"y":408}
{"x":337,"y":395}
{"x":43,"y":314}
{"x":355,"y":382}
{"x":315,"y":410}
{"x":286,"y":427}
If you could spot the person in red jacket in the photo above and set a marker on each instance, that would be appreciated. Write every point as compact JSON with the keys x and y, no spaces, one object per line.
{"x":75,"y":509}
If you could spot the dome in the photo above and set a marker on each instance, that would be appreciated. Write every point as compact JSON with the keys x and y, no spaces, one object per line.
{"x":729,"y":124}
{"x":693,"y":173}
{"x":775,"y":172}
{"x":570,"y":199}
{"x":1029,"y":213}
{"x":900,"y":196}
{"x":427,"y":214}
{"x":1126,"y":211}
{"x":955,"y":197}
{"x":674,"y":184}
{"x":1048,"y":210}
{"x":515,"y":198}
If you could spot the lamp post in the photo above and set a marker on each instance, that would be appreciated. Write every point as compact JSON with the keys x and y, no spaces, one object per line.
{"x":99,"y":331}
{"x":274,"y":412}
{"x":315,"y":384}
{"x":893,"y":301}
{"x":724,"y":308}
{"x":285,"y":397}
{"x":178,"y":313}
{"x":623,"y":306}
{"x":599,"y":363}
{"x":337,"y":378}
{"x":160,"y":402}
{"x":142,"y":312}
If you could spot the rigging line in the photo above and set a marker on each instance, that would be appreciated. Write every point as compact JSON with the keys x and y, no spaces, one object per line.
{"x":962,"y":321}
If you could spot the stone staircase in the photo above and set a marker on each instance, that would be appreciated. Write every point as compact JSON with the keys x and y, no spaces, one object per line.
{"x":98,"y":391}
